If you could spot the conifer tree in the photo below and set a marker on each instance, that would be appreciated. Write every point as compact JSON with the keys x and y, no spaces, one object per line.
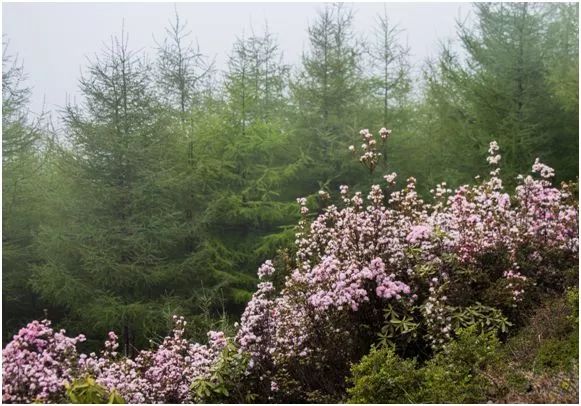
{"x":22,"y":177}
{"x":183,"y":71}
{"x":327,"y":86}
{"x":183,"y":77}
{"x":111,"y":259}
{"x":256,"y":80}
{"x":391,"y":70}
{"x":561,"y":48}
{"x":499,"y":92}
{"x":329,"y":94}
{"x":170,"y":185}
{"x":256,"y":160}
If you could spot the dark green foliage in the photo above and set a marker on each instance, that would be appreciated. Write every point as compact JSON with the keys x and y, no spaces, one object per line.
{"x":110,"y":257}
{"x":558,"y":354}
{"x":560,"y":350}
{"x":383,"y":377}
{"x":483,"y":318}
{"x":540,"y":363}
{"x":329,"y":94}
{"x":503,"y":90}
{"x":454,"y":375}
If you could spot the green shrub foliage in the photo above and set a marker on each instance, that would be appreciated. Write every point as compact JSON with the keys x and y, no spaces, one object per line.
{"x":453,"y":375}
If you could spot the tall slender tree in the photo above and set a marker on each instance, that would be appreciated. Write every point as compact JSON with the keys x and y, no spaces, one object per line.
{"x":183,"y":78}
{"x":327,"y":86}
{"x":256,"y":79}
{"x":391,"y":81}
{"x":183,"y":71}
{"x":328,"y":94}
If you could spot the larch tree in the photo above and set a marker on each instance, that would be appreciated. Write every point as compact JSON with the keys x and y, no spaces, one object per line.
{"x":256,"y":80}
{"x":497,"y":91}
{"x":239,"y":84}
{"x":562,"y":58}
{"x":183,"y":78}
{"x":328,"y":93}
{"x":327,"y":85}
{"x":23,"y":158}
{"x":256,"y":158}
{"x":183,"y":71}
{"x":391,"y":80}
{"x":112,"y":260}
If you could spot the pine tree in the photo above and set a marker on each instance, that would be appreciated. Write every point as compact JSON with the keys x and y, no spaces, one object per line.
{"x":327,"y":88}
{"x":183,"y":71}
{"x":256,"y":80}
{"x":561,"y":47}
{"x":183,"y":78}
{"x":243,"y":201}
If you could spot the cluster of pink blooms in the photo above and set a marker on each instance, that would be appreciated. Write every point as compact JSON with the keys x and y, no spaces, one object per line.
{"x":389,"y":247}
{"x":419,"y":233}
{"x":38,"y":364}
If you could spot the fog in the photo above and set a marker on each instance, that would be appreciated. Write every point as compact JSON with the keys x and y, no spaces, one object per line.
{"x":53,"y":41}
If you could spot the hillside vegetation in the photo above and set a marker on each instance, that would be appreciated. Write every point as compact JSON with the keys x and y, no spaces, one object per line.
{"x":437,"y":262}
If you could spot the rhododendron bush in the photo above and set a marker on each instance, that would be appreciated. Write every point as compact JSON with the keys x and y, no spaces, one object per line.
{"x":39,"y":364}
{"x":385,"y":266}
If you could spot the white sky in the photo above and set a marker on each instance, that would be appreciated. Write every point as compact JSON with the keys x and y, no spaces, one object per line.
{"x":53,"y":40}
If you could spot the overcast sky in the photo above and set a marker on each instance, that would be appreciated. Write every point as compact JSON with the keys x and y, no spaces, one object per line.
{"x":53,"y":40}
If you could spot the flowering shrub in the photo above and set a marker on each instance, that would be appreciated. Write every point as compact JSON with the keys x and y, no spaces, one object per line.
{"x":371,"y":154}
{"x":38,"y":363}
{"x":162,"y":375}
{"x":228,"y":379}
{"x":434,"y":263}
{"x":386,"y":266}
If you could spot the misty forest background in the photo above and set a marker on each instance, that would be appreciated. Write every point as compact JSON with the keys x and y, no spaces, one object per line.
{"x":172,"y":181}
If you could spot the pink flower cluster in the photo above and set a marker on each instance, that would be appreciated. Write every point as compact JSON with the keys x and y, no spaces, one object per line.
{"x":256,"y":327}
{"x":516,"y":283}
{"x":345,"y":287}
{"x":37,"y":364}
{"x":418,"y":233}
{"x":265,"y":270}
